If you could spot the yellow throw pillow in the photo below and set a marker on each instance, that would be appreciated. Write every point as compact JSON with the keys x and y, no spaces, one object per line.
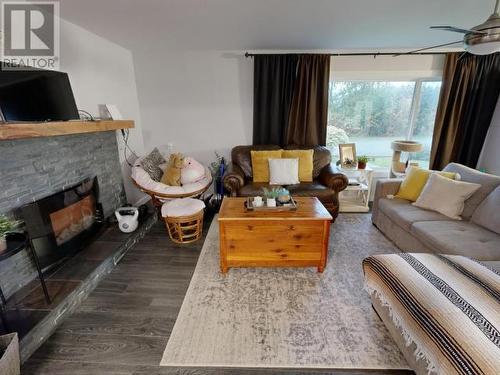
{"x":260,"y":164}
{"x":306,"y":162}
{"x":415,"y":180}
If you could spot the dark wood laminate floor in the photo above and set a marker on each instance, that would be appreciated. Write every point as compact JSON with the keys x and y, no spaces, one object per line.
{"x":124,"y":325}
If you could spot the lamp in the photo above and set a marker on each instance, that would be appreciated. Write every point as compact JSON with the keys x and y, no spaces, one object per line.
{"x":397,"y":167}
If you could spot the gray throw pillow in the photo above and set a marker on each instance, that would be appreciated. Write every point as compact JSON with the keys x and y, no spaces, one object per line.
{"x":487,"y":214}
{"x":151,"y":164}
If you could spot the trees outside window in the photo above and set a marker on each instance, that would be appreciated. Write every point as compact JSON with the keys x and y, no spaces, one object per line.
{"x":374,"y":113}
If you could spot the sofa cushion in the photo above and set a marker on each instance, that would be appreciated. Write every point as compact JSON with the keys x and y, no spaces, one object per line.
{"x":253,"y":189}
{"x":240,"y":155}
{"x":458,"y":237}
{"x":487,"y":181}
{"x":306,"y":162}
{"x":488,"y":213}
{"x":415,"y":180}
{"x":402,"y":213}
{"x":260,"y":164}
{"x":310,"y":189}
{"x":321,"y":157}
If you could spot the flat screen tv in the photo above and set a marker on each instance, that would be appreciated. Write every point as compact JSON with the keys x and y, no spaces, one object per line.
{"x":36,"y":95}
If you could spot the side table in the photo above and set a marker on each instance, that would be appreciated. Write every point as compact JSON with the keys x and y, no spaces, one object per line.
{"x":356,"y":196}
{"x":16,"y":242}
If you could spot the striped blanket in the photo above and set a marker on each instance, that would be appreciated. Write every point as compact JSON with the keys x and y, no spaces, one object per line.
{"x":447,"y":305}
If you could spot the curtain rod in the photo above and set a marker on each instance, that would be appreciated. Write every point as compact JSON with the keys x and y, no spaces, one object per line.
{"x":374,"y":54}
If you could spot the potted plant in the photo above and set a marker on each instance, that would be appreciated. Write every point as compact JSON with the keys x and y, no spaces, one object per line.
{"x":6,"y":225}
{"x":362,"y":161}
{"x":271,"y":196}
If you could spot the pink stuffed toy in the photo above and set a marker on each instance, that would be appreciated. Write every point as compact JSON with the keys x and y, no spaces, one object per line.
{"x":192,"y":171}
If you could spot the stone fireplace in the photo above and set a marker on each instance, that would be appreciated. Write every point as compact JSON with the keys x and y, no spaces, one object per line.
{"x":33,"y":169}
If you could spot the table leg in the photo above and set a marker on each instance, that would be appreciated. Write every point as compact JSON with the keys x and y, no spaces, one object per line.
{"x":2,"y":311}
{"x":40,"y":274}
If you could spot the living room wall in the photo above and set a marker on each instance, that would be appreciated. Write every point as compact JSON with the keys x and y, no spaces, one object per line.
{"x":200,"y":101}
{"x":102,"y":72}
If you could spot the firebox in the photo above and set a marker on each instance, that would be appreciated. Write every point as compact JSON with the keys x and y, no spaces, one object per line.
{"x":63,"y":223}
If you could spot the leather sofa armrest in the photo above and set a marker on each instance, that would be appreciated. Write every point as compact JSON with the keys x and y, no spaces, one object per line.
{"x":233,"y":179}
{"x":330,"y":177}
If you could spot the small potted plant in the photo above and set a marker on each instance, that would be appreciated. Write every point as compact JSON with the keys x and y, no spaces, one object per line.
{"x":6,"y":225}
{"x":271,"y":196}
{"x":362,"y":161}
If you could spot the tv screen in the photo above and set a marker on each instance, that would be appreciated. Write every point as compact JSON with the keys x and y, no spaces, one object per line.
{"x":36,"y":95}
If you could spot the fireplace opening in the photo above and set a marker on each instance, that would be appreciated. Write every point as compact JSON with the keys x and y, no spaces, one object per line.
{"x":62,"y":224}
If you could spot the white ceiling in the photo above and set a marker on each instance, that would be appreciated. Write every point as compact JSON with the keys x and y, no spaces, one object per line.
{"x":274,"y":24}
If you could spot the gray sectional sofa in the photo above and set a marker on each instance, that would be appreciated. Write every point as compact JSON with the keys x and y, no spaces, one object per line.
{"x":414,"y":229}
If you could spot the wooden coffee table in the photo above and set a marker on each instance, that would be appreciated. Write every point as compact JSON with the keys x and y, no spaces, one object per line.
{"x":274,"y":239}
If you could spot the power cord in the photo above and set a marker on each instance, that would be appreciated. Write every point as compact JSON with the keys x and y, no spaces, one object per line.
{"x":86,"y":115}
{"x":125,"y":136}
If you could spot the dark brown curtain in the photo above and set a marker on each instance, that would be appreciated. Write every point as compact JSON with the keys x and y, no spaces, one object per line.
{"x":274,"y":82}
{"x":309,"y":109}
{"x":469,"y":94}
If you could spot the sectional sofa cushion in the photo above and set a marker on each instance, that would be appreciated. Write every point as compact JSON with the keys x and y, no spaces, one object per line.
{"x":404,"y":214}
{"x":458,"y":237}
{"x":488,"y":183}
{"x":488,"y":213}
{"x":415,"y":180}
{"x":445,"y":196}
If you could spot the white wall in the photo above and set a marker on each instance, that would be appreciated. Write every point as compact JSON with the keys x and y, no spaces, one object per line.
{"x":103,"y":72}
{"x":490,"y":155}
{"x":200,"y":101}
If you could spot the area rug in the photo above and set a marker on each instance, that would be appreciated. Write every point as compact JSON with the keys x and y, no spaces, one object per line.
{"x":286,"y":317}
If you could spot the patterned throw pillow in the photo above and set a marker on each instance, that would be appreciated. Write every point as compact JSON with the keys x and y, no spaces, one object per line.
{"x":151,"y":164}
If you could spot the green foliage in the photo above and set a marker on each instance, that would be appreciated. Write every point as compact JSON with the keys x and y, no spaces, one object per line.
{"x":336,"y":136}
{"x":7,"y":225}
{"x":379,"y":109}
{"x":275,"y":192}
{"x":363,"y":159}
{"x":215,"y":165}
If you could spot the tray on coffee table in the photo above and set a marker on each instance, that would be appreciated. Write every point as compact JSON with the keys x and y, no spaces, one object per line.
{"x":290,"y":206}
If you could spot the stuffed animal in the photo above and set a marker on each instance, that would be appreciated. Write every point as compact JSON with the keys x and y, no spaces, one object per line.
{"x":172,"y":175}
{"x":192,"y":171}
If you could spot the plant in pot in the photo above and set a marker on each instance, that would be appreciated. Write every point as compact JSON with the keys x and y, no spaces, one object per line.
{"x":271,"y":196}
{"x":362,"y":161}
{"x":7,"y":225}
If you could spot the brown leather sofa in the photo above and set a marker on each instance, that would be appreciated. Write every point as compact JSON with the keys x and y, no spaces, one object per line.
{"x":326,"y":184}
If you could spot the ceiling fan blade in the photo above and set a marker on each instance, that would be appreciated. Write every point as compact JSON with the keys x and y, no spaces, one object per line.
{"x":457,"y":29}
{"x":427,"y":48}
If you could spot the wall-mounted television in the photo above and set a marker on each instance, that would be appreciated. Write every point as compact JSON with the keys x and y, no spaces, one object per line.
{"x":36,"y":95}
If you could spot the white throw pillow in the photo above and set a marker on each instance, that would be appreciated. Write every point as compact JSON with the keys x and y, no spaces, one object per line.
{"x":445,"y":195}
{"x":283,"y":171}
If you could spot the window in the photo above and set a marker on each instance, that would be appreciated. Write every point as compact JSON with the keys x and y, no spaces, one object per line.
{"x":374,"y":113}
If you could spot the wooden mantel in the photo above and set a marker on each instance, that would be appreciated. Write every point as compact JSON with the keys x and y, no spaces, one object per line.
{"x":18,"y":130}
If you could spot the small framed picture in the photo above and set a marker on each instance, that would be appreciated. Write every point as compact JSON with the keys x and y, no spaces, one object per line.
{"x":347,"y":152}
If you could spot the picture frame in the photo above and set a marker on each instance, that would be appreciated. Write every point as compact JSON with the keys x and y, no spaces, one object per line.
{"x":347,"y":152}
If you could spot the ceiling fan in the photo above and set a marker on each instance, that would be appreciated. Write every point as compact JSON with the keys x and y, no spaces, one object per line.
{"x":482,"y":39}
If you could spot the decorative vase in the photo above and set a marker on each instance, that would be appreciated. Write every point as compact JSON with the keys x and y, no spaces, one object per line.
{"x":271,"y":202}
{"x":361,"y":165}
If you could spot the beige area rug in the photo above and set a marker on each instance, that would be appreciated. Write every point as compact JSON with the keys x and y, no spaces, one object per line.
{"x":286,"y":317}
